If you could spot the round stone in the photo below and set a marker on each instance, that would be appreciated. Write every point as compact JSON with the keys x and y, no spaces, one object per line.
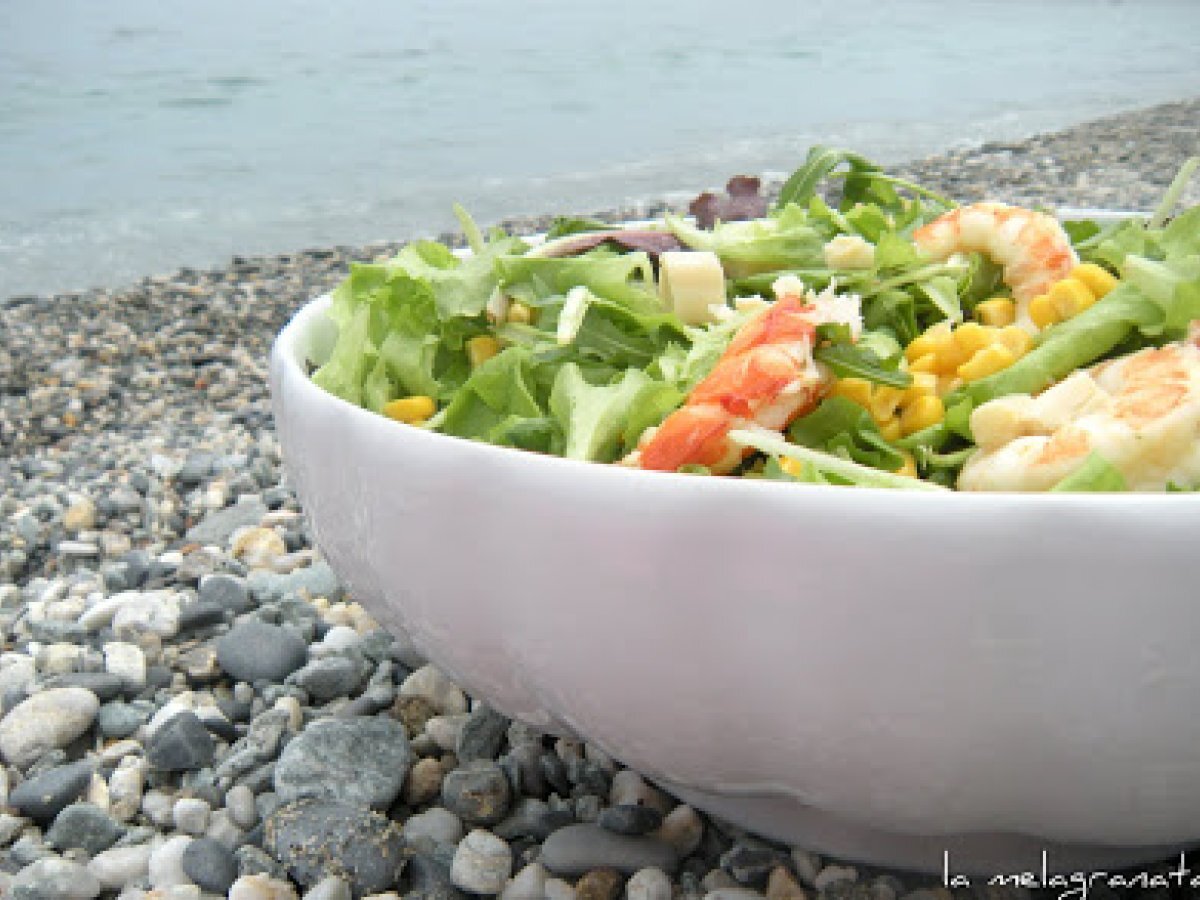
{"x":528,"y":884}
{"x":360,"y":761}
{"x":55,"y":879}
{"x":482,"y":863}
{"x":191,"y":815}
{"x":227,"y":591}
{"x":648,"y":884}
{"x":239,"y":803}
{"x":255,"y":651}
{"x":119,"y":866}
{"x":165,"y":867}
{"x":49,"y":719}
{"x":599,"y":884}
{"x":44,"y":796}
{"x":442,"y":693}
{"x":436,"y":824}
{"x":209,"y":864}
{"x":85,"y":826}
{"x":683,"y":829}
{"x":261,"y":887}
{"x":479,"y":793}
{"x":316,"y":838}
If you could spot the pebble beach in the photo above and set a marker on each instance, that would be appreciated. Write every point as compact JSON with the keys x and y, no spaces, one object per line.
{"x":192,"y":706}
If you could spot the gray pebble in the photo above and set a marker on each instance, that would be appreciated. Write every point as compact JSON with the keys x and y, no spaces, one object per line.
{"x":181,"y":743}
{"x":119,"y":720}
{"x":630,"y":819}
{"x":44,"y":796}
{"x":210,"y":865}
{"x":436,"y":824}
{"x":482,"y":735}
{"x":227,"y":591}
{"x":315,"y":838}
{"x":86,"y":826}
{"x":217,"y":527}
{"x":477,"y":792}
{"x":255,"y":651}
{"x":359,"y":761}
{"x":325,"y":679}
{"x":576,"y":849}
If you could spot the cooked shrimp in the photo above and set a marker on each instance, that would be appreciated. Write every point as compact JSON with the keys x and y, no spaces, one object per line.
{"x":1140,"y":412}
{"x":1032,"y":247}
{"x":766,"y":376}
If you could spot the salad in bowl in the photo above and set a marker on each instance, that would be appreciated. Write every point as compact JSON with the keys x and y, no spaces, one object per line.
{"x":894,"y":340}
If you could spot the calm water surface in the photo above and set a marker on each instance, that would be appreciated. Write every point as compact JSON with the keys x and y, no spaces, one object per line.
{"x":148,"y":134}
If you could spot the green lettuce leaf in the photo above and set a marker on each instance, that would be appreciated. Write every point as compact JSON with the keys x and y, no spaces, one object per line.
{"x":1094,"y":474}
{"x":499,"y":403}
{"x":786,"y":241}
{"x":844,"y":428}
{"x":591,"y":417}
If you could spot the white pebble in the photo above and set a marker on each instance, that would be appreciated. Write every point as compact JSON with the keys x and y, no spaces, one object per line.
{"x":59,"y":659}
{"x":445,"y":730}
{"x":3,"y":786}
{"x":59,"y":878}
{"x":16,"y":673}
{"x":295,"y":712}
{"x":166,"y":861}
{"x":239,"y":803}
{"x":482,"y":863}
{"x":648,"y":884}
{"x":118,"y":866}
{"x":118,"y":750}
{"x":337,"y":639}
{"x":125,"y":788}
{"x":47,"y":720}
{"x":557,"y":889}
{"x":97,"y":792}
{"x":100,"y":612}
{"x":261,"y":887}
{"x":191,"y":815}
{"x":127,"y":662}
{"x":442,"y":693}
{"x":437,"y":823}
{"x":528,"y":884}
{"x":153,"y":611}
{"x":158,"y":808}
{"x":330,"y":888}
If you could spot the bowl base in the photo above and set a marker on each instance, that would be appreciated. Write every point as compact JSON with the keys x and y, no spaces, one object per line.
{"x":973,"y":856}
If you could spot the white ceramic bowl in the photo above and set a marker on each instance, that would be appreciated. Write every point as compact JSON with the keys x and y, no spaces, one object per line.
{"x":878,"y":675}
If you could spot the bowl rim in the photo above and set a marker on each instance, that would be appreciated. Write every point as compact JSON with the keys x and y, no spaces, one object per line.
{"x":286,"y":362}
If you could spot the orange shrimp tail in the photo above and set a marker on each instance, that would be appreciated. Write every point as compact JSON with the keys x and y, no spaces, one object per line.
{"x":788,"y":319}
{"x":692,"y":435}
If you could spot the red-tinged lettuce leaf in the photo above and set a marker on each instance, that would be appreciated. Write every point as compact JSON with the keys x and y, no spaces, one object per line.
{"x":740,"y":202}
{"x":652,"y":243}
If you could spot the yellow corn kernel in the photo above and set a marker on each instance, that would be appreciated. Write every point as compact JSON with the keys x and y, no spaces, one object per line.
{"x":929,"y":342}
{"x":856,"y":389}
{"x":412,"y":410}
{"x":1070,"y":297}
{"x":926,"y":363}
{"x":921,"y":414}
{"x":884,"y":402}
{"x":987,"y":362}
{"x":1097,"y":278}
{"x":1016,"y":339}
{"x":909,"y":466}
{"x":481,"y":348}
{"x":1042,"y":311}
{"x":922,"y":383}
{"x":997,"y":312}
{"x":520,"y":313}
{"x":948,"y":383}
{"x":793,"y":467}
{"x":891,"y":429}
{"x":971,"y":337}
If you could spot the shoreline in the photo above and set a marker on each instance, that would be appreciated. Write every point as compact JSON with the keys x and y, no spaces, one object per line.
{"x":1123,"y":161}
{"x":179,"y":664}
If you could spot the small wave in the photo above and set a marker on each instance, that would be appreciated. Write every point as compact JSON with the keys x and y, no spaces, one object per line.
{"x":236,"y":82}
{"x":194,"y":102}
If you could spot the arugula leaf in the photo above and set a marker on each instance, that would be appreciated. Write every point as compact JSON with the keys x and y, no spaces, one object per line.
{"x":843,"y":427}
{"x":854,"y":361}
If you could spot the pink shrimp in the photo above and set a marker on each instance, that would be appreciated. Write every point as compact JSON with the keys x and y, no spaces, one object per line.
{"x":766,"y":376}
{"x":1032,"y":247}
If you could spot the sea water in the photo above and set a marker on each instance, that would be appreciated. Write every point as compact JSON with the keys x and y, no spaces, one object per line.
{"x":144,"y":135}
